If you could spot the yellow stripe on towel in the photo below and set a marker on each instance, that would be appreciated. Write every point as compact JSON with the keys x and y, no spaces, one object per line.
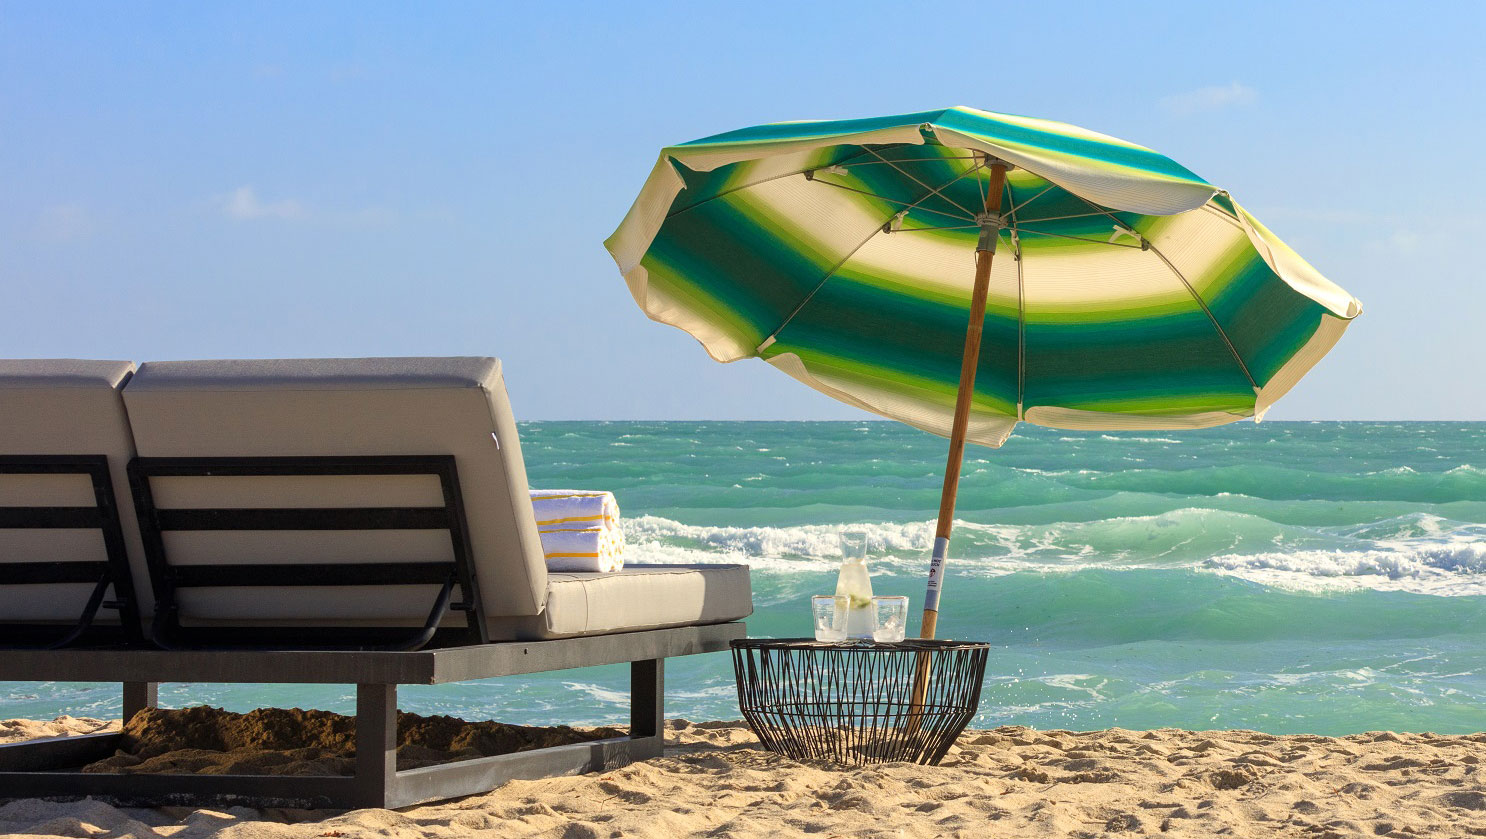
{"x":605,"y":519}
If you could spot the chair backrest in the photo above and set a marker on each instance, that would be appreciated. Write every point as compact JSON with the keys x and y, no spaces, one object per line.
{"x":66,"y":517}
{"x":258,"y":412}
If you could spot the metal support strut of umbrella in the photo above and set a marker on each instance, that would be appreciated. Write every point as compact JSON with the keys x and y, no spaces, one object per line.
{"x":1137,"y":295}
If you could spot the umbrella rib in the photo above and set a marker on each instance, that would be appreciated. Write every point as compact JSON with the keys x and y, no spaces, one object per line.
{"x":1021,"y":335}
{"x":932,"y":190}
{"x":750,"y":185}
{"x":1190,"y":290}
{"x":1223,"y":215}
{"x":946,"y":227}
{"x":1060,"y":218}
{"x":911,"y":160}
{"x":1205,"y":310}
{"x":1044,"y":191}
{"x":837,"y":267}
{"x":1021,"y":229}
{"x":834,"y":268}
{"x":1021,"y":302}
{"x":1097,"y":210}
{"x":899,"y":202}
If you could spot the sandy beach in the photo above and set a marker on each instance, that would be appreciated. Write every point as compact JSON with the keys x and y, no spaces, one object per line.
{"x":714,"y":781}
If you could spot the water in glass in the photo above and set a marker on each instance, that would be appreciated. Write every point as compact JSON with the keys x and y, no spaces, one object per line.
{"x":830,"y":613}
{"x":890,"y":619}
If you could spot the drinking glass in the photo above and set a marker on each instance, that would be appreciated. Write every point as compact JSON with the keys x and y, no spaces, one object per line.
{"x":830,"y":611}
{"x":890,"y":619}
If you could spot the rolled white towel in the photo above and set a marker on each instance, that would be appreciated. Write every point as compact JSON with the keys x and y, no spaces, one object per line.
{"x":579,"y":529}
{"x":592,"y":549}
{"x":569,"y":508}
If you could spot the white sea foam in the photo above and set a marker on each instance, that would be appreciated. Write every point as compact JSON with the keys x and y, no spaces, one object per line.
{"x":1412,"y":526}
{"x":1454,"y":565}
{"x":1112,"y":538}
{"x":599,"y":692}
{"x":1420,"y":553}
{"x":1071,"y":681}
{"x":1138,"y":439}
{"x":721,"y":691}
{"x":797,"y":548}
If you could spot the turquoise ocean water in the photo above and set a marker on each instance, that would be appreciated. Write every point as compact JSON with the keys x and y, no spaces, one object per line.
{"x":1287,"y":577}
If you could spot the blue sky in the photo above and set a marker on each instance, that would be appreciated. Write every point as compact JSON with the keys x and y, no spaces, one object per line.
{"x":186,"y":180}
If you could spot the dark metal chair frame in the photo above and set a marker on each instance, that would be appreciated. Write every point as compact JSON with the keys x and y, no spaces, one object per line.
{"x":167,"y":579}
{"x":52,"y":767}
{"x":111,"y":571}
{"x":376,"y":660}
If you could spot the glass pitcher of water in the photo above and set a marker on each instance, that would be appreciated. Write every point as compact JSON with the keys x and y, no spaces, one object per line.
{"x":855,"y":584}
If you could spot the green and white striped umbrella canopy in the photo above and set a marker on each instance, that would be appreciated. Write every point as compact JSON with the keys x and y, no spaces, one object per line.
{"x":1136,"y":294}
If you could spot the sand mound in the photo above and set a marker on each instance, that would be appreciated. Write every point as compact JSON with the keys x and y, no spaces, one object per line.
{"x":277,"y":741}
{"x":13,"y":730}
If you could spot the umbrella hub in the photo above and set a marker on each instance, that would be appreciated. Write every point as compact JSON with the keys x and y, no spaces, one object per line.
{"x":990,"y":228}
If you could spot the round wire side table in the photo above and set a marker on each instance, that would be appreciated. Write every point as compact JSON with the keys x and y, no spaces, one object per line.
{"x":854,"y":703}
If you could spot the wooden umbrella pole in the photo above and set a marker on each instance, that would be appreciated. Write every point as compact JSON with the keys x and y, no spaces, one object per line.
{"x":984,"y":252}
{"x":990,"y":227}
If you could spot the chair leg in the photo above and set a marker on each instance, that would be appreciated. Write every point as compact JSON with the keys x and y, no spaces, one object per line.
{"x":647,"y":698}
{"x":376,"y":743}
{"x":139,"y":696}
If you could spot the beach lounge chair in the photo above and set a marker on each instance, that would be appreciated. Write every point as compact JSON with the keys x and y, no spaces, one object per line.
{"x":64,"y":502}
{"x":361,"y":521}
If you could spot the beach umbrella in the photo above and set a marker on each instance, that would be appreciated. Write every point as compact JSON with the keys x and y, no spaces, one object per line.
{"x":962,"y":271}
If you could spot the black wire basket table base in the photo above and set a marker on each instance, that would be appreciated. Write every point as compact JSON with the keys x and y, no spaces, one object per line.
{"x":857,"y":703}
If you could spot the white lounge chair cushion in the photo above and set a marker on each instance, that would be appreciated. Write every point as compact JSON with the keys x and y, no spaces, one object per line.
{"x":635,"y":598}
{"x":319,"y":407}
{"x":64,"y":407}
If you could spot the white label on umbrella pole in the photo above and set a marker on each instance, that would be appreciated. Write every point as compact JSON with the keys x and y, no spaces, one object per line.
{"x":936,"y":574}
